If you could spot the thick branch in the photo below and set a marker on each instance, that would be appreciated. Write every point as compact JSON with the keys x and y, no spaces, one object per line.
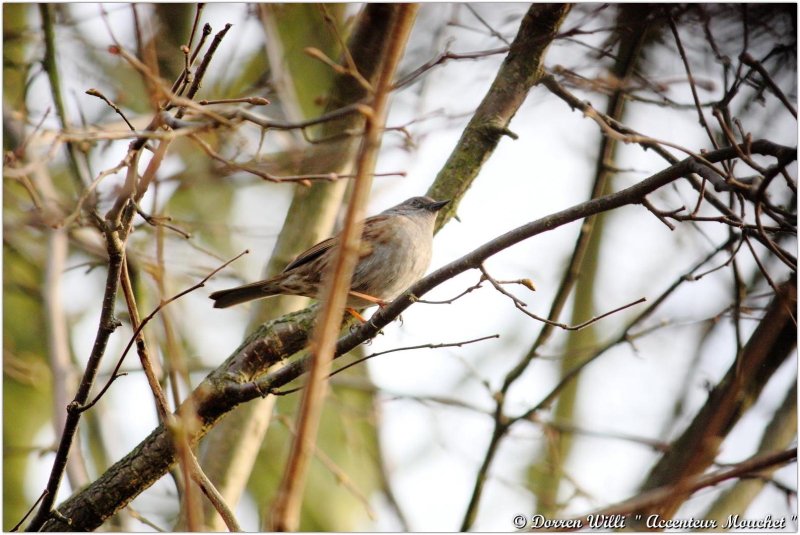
{"x":522,"y":69}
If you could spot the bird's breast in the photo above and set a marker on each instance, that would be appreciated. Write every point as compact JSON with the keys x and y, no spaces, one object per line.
{"x":399,"y":255}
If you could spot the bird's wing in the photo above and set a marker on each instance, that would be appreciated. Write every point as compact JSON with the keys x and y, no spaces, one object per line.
{"x":371,"y":226}
{"x":314,"y":252}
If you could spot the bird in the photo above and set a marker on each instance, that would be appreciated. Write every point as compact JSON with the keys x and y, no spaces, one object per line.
{"x":395,"y":252}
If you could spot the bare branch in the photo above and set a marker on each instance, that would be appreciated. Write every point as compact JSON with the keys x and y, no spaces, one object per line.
{"x":750,"y":61}
{"x":685,"y":60}
{"x":409,"y":348}
{"x":97,"y":93}
{"x":115,"y":375}
{"x":521,"y":306}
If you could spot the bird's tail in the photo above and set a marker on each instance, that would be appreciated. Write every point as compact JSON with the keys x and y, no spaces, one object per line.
{"x":242,"y":294}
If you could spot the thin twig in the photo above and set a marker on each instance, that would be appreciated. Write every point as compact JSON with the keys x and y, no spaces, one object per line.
{"x":141,"y":348}
{"x":303,"y":179}
{"x":607,"y":129}
{"x":203,"y":67}
{"x":198,"y":13}
{"x":521,"y":306}
{"x":750,"y":61}
{"x":275,"y":124}
{"x":726,"y":263}
{"x":444,"y":57}
{"x":213,"y":495}
{"x":352,"y":68}
{"x":19,"y":152}
{"x":179,"y":431}
{"x":143,"y":135}
{"x":184,"y":79}
{"x":254,"y":101}
{"x":661,"y":215}
{"x":492,"y":31}
{"x":156,"y":221}
{"x":686,"y":66}
{"x":143,"y":520}
{"x":203,"y":38}
{"x":409,"y":348}
{"x":99,"y":94}
{"x":761,"y":266}
{"x":87,"y":192}
{"x":22,"y":521}
{"x":134,"y":190}
{"x":732,"y":140}
{"x":656,"y":445}
{"x":450,"y":301}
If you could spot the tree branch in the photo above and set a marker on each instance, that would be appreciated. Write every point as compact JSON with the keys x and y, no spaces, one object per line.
{"x":521,"y":70}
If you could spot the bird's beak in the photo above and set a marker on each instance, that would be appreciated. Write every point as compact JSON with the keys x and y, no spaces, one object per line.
{"x":437,"y":205}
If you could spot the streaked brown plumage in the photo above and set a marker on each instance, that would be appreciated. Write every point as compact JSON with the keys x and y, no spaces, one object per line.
{"x":395,"y":253}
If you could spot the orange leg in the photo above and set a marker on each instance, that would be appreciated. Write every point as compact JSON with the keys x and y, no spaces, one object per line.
{"x":356,"y":314}
{"x":380,"y":302}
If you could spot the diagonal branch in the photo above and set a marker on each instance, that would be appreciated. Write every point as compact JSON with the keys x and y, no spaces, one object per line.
{"x":522,"y":69}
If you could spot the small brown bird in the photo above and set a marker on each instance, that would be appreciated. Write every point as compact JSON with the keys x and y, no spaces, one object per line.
{"x":395,"y":253}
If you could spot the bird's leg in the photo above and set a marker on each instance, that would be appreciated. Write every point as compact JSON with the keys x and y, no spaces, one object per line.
{"x":356,"y":314}
{"x":380,"y":302}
